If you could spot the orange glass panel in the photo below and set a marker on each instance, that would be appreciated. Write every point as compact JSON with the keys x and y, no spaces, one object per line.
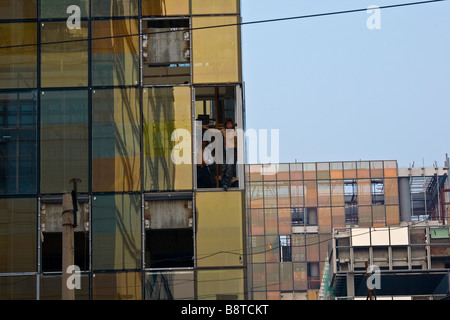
{"x":391,"y":191}
{"x":284,"y":221}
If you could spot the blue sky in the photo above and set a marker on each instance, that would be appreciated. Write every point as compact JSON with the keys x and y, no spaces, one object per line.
{"x":337,"y":90}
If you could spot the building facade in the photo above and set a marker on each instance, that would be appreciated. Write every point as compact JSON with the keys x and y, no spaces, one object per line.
{"x":115,"y":94}
{"x":295,"y":209}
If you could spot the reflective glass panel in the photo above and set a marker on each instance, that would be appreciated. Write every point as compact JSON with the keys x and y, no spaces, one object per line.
{"x":220,"y":284}
{"x":115,"y":56}
{"x":215,"y":50}
{"x":336,"y":170}
{"x":283,"y":172}
{"x":273,"y":276}
{"x":259,"y":277}
{"x":115,"y":140}
{"x":284,"y":197}
{"x":338,"y":217}
{"x":298,"y":247}
{"x":325,"y":220}
{"x":176,"y":285}
{"x":310,"y":193}
{"x":390,"y":169}
{"x":117,"y":286}
{"x":270,"y":194}
{"x":59,"y":8}
{"x":219,"y":228}
{"x":296,"y":171}
{"x":297,"y":193}
{"x":167,"y":139}
{"x":257,"y":221}
{"x":309,"y":171}
{"x":271,"y":221}
{"x":284,"y":221}
{"x":312,"y":247}
{"x":51,"y":287}
{"x":364,"y":192}
{"x":337,"y":193}
{"x":114,"y":8}
{"x":18,"y":9}
{"x":286,"y":277}
{"x":392,"y":215}
{"x":324,"y":193}
{"x":349,"y":170}
{"x":214,"y":6}
{"x":64,"y":140}
{"x":273,"y":247}
{"x":64,"y":64}
{"x":376,"y":169}
{"x":256,"y":195}
{"x":379,"y":216}
{"x":300,"y":276}
{"x":116,"y":232}
{"x":391,"y":191}
{"x":363,"y":169}
{"x":323,"y":170}
{"x":165,"y":7}
{"x":18,"y":288}
{"x":18,"y":225}
{"x":18,"y":152}
{"x":365,"y":216}
{"x":18,"y":65}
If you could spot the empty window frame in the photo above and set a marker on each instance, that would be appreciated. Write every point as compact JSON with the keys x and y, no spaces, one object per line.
{"x":166,"y":51}
{"x":169,"y":235}
{"x":285,"y":248}
{"x":213,"y":107}
{"x":377,"y":186}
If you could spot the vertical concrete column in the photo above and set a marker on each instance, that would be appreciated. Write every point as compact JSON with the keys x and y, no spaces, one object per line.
{"x":405,"y":199}
{"x":350,"y":285}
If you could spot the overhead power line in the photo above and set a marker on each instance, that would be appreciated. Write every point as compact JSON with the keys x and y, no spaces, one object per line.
{"x":317,"y":15}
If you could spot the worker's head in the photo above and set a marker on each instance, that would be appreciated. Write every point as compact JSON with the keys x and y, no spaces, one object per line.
{"x":228,"y":123}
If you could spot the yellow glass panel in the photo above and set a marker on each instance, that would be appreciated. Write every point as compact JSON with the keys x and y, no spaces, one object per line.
{"x":216,"y":57}
{"x":114,"y":8}
{"x":258,"y":249}
{"x":58,"y":8}
{"x":283,"y":192}
{"x":284,"y":221}
{"x":51,"y":287}
{"x":390,"y":169}
{"x":18,"y":224}
{"x":18,"y":9}
{"x":219,"y":228}
{"x":338,"y":217}
{"x":165,"y":7}
{"x":337,"y":193}
{"x":115,"y":56}
{"x":214,"y":6}
{"x":117,"y":286}
{"x":64,"y":64}
{"x":379,"y":216}
{"x":271,"y":221}
{"x":256,"y":195}
{"x":391,"y":191}
{"x":220,"y":284}
{"x":310,"y":193}
{"x":363,"y":169}
{"x":325,"y":220}
{"x":167,"y":122}
{"x":115,"y":140}
{"x":376,"y":169}
{"x":18,"y":287}
{"x":323,"y":170}
{"x":336,"y":170}
{"x":18,"y":68}
{"x":392,"y":215}
{"x":324,"y":193}
{"x":297,"y":193}
{"x":364,"y":192}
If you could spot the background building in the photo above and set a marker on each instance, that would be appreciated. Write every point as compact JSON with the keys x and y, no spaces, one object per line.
{"x":295,"y":210}
{"x":95,"y":90}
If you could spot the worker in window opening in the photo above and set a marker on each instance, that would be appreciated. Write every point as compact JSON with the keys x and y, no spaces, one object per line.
{"x":204,"y":179}
{"x":230,"y":144}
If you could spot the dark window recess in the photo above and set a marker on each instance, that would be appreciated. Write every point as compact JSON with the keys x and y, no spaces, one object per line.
{"x":169,"y":248}
{"x":52,"y":251}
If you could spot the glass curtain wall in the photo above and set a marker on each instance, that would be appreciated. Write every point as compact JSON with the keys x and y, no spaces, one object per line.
{"x":291,"y":214}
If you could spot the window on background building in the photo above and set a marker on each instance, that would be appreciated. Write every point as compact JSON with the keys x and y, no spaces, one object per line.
{"x":298,"y":216}
{"x":285,"y":248}
{"x":18,"y":145}
{"x":377,"y":191}
{"x":166,"y":52}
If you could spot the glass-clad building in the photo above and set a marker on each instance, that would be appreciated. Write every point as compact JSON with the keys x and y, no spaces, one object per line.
{"x":292,"y":209}
{"x":120,"y":94}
